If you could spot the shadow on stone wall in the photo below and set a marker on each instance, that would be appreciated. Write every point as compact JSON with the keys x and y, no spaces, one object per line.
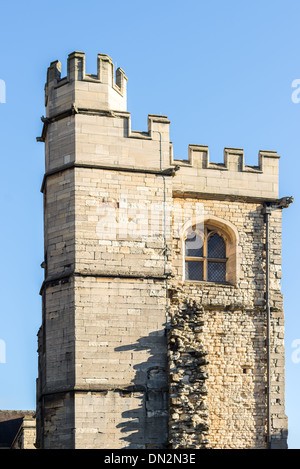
{"x":146,"y":426}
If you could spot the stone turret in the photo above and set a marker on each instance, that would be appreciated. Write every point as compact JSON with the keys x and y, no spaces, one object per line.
{"x":105,"y":90}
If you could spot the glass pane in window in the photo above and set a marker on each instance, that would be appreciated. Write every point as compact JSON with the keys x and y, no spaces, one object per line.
{"x":194,"y":270}
{"x":216,"y":247}
{"x":193,"y":245}
{"x":216,"y":272}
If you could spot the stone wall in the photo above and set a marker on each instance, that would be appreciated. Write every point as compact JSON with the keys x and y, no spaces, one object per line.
{"x":234,"y":325}
{"x":121,"y":361}
{"x":187,"y":358}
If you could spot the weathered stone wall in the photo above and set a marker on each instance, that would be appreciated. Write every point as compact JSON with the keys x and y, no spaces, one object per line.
{"x":249,"y":287}
{"x":26,"y":436}
{"x":120,"y":419}
{"x":55,"y":383}
{"x":57,"y":424}
{"x":59,"y":224}
{"x":121,"y":361}
{"x":57,"y":350}
{"x":187,"y":358}
{"x":120,"y":223}
{"x":234,"y":326}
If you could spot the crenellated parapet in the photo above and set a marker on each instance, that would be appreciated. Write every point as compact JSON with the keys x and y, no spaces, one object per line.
{"x":232,"y":177}
{"x":87,"y":116}
{"x":104,"y":91}
{"x":234,"y":159}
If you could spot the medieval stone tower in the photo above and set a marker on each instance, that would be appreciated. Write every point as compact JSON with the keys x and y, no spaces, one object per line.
{"x":162,"y":322}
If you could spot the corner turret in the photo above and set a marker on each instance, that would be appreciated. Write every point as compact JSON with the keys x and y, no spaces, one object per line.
{"x":104,"y":91}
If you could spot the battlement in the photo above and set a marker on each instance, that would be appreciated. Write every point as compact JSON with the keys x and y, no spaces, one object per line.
{"x":105,"y":90}
{"x":231,"y":177}
{"x":234,"y":159}
{"x":101,"y":134}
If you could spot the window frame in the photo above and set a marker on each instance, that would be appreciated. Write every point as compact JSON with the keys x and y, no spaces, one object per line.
{"x":205,"y":234}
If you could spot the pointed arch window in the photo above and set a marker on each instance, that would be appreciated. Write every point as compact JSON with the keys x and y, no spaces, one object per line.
{"x":205,"y":255}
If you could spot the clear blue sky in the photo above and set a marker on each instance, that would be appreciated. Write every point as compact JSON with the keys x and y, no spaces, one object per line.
{"x":221,"y":71}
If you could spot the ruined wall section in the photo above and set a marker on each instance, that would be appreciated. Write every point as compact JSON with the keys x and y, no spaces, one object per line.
{"x":234,"y":325}
{"x":188,"y":412}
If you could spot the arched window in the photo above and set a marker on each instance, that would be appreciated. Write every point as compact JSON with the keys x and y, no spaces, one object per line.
{"x":206,"y":255}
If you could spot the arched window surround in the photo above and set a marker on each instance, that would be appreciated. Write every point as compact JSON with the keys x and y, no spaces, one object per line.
{"x":229,"y":233}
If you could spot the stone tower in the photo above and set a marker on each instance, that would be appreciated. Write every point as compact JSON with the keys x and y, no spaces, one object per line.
{"x":162,"y":322}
